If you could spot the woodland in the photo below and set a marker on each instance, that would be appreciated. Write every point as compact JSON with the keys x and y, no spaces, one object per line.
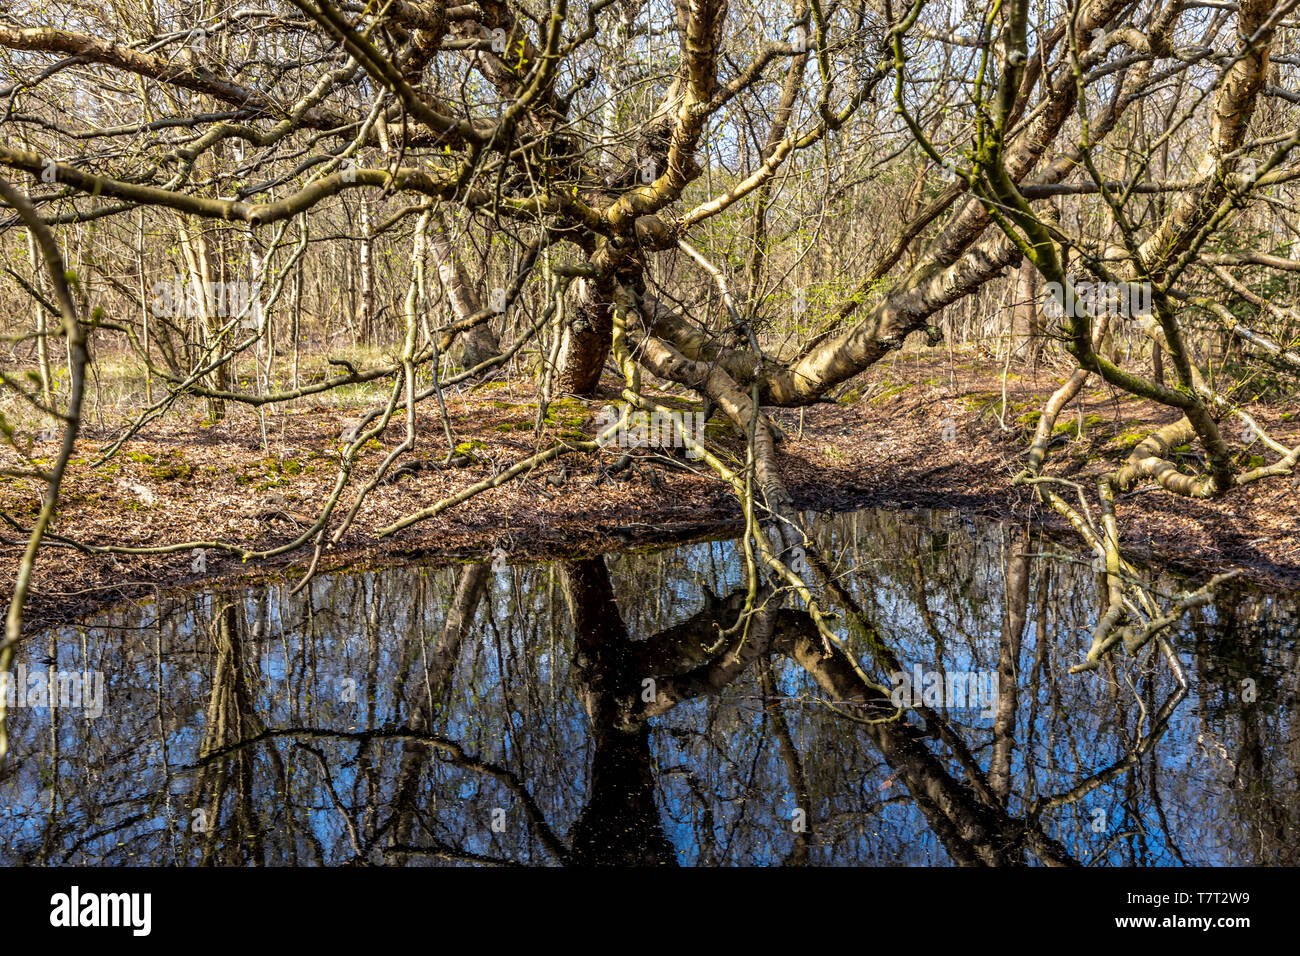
{"x":293,"y":284}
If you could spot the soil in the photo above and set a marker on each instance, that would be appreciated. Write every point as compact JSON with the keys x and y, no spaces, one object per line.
{"x":926,"y":430}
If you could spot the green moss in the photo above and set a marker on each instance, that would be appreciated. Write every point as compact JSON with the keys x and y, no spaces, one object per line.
{"x":1071,"y":428}
{"x":172,"y":471}
{"x":981,"y":399}
{"x":1129,"y":440}
{"x":715,"y":430}
{"x":891,"y":392}
{"x":1029,"y":420}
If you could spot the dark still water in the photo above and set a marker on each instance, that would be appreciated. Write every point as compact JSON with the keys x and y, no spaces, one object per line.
{"x":606,"y":710}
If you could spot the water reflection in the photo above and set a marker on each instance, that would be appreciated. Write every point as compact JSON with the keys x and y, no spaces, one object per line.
{"x":612,"y":711}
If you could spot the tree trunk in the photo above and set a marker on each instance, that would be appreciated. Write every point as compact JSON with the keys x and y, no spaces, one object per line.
{"x":585,"y":341}
{"x":366,"y":312}
{"x":1024,"y":317}
{"x":476,"y":344}
{"x":195,"y":247}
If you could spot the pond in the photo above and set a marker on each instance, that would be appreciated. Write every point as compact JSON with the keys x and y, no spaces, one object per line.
{"x":606,"y":710}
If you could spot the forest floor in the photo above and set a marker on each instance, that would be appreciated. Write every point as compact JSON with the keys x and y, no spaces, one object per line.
{"x":925,"y":430}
